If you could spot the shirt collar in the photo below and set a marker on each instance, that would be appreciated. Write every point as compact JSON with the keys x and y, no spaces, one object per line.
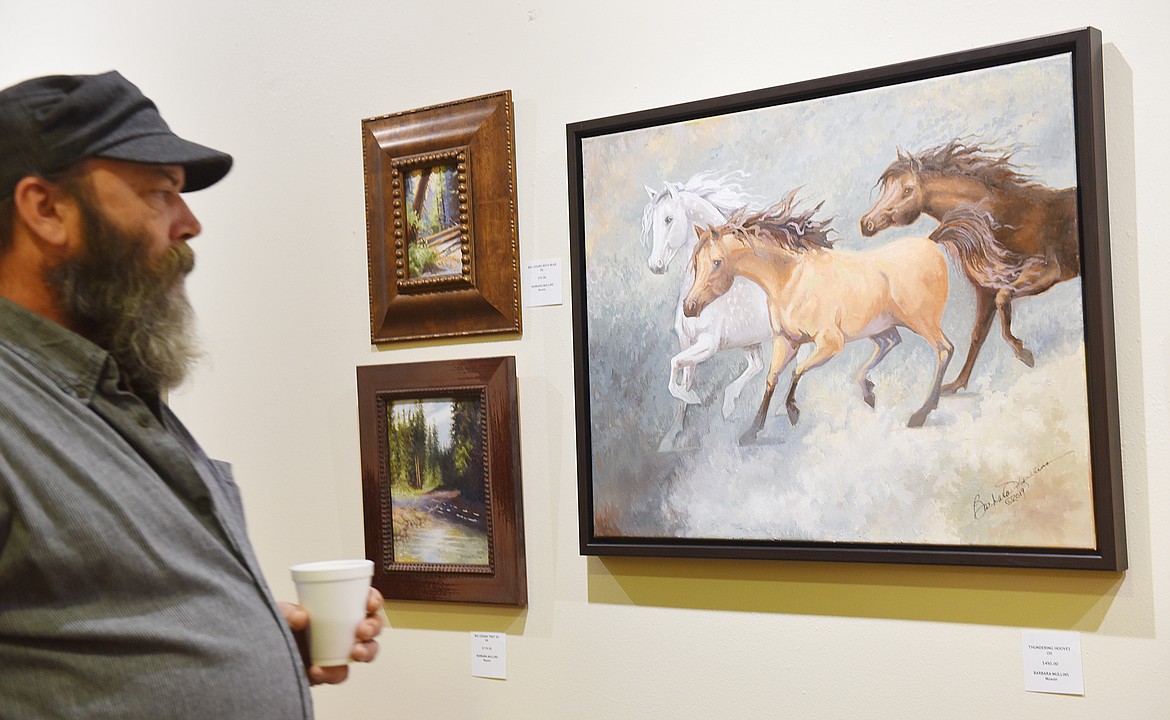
{"x":72,"y":361}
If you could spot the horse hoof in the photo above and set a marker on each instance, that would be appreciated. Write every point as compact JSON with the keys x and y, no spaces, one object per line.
{"x":748,"y":438}
{"x":917,"y":420}
{"x":867,"y":393}
{"x":793,"y":414}
{"x":1026,"y":357}
{"x":952,"y":388}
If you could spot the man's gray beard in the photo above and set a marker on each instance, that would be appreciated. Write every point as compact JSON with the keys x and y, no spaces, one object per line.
{"x":135,"y":308}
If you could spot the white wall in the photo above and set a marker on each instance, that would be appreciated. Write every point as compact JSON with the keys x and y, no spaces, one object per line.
{"x":281,"y":293}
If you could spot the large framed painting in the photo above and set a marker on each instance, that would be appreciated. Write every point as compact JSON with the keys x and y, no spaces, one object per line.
{"x":441,"y":480}
{"x":441,"y":221}
{"x":869,"y":318}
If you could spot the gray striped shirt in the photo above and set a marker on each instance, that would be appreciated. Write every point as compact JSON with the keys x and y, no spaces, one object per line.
{"x":128,"y":588}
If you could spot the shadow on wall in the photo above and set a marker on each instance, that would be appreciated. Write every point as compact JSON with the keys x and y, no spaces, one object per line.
{"x":1046,"y":599}
{"x":455,"y":617}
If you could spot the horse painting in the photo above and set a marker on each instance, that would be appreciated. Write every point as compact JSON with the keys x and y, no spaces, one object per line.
{"x":739,"y":319}
{"x":1014,"y":237}
{"x":823,"y":295}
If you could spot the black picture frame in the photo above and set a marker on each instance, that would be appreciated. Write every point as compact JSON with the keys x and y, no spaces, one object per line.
{"x":631,"y":494}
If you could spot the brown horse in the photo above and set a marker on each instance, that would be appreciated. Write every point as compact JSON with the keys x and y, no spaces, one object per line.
{"x":824,"y":296}
{"x":1013,"y":236}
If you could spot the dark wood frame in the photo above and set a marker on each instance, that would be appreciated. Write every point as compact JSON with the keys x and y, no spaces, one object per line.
{"x":503,"y":580}
{"x":477,"y":134}
{"x":1105,"y":454}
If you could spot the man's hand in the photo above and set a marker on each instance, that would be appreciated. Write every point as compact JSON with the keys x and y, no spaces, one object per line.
{"x":365,"y":647}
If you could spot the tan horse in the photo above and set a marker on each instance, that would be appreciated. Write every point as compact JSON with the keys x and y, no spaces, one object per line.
{"x":1013,"y":237}
{"x":824,"y":296}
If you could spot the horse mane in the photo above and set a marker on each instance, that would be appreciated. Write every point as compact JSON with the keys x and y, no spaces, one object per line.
{"x":988,"y":164}
{"x":784,"y":225}
{"x":720,"y":189}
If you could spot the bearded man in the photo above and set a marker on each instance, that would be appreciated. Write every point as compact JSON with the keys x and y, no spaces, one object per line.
{"x":128,"y":587}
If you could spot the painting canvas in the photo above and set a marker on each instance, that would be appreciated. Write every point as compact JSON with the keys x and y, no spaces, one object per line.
{"x":437,"y":484}
{"x":433,"y":236}
{"x":864,"y":318}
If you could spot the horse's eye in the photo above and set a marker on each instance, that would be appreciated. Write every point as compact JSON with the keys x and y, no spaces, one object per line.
{"x":717,"y":263}
{"x":668,"y":219}
{"x":907,"y":191}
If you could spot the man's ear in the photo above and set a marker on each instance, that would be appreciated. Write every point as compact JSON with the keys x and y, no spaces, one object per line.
{"x":44,"y":209}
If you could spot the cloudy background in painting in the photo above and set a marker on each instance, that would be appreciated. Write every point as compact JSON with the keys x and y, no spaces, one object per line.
{"x":845,"y":472}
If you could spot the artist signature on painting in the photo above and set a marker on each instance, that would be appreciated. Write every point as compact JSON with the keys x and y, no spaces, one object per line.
{"x":1011,"y":491}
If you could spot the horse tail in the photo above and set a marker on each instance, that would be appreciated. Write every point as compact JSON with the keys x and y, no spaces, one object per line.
{"x":968,"y":235}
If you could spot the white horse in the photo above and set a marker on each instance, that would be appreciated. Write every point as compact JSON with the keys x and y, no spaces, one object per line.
{"x":737,"y":319}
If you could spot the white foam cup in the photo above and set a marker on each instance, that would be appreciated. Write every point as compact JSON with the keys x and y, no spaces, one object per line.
{"x":334,"y":593}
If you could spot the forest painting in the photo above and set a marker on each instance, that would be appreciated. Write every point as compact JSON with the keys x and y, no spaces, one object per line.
{"x":441,"y":480}
{"x":437,"y":481}
{"x":433,"y":236}
{"x":442,"y":236}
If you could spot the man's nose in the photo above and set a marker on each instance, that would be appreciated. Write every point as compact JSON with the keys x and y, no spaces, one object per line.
{"x":187,"y":225}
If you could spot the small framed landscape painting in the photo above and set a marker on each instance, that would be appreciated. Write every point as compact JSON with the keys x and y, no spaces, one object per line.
{"x":441,"y":232}
{"x":441,"y":480}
